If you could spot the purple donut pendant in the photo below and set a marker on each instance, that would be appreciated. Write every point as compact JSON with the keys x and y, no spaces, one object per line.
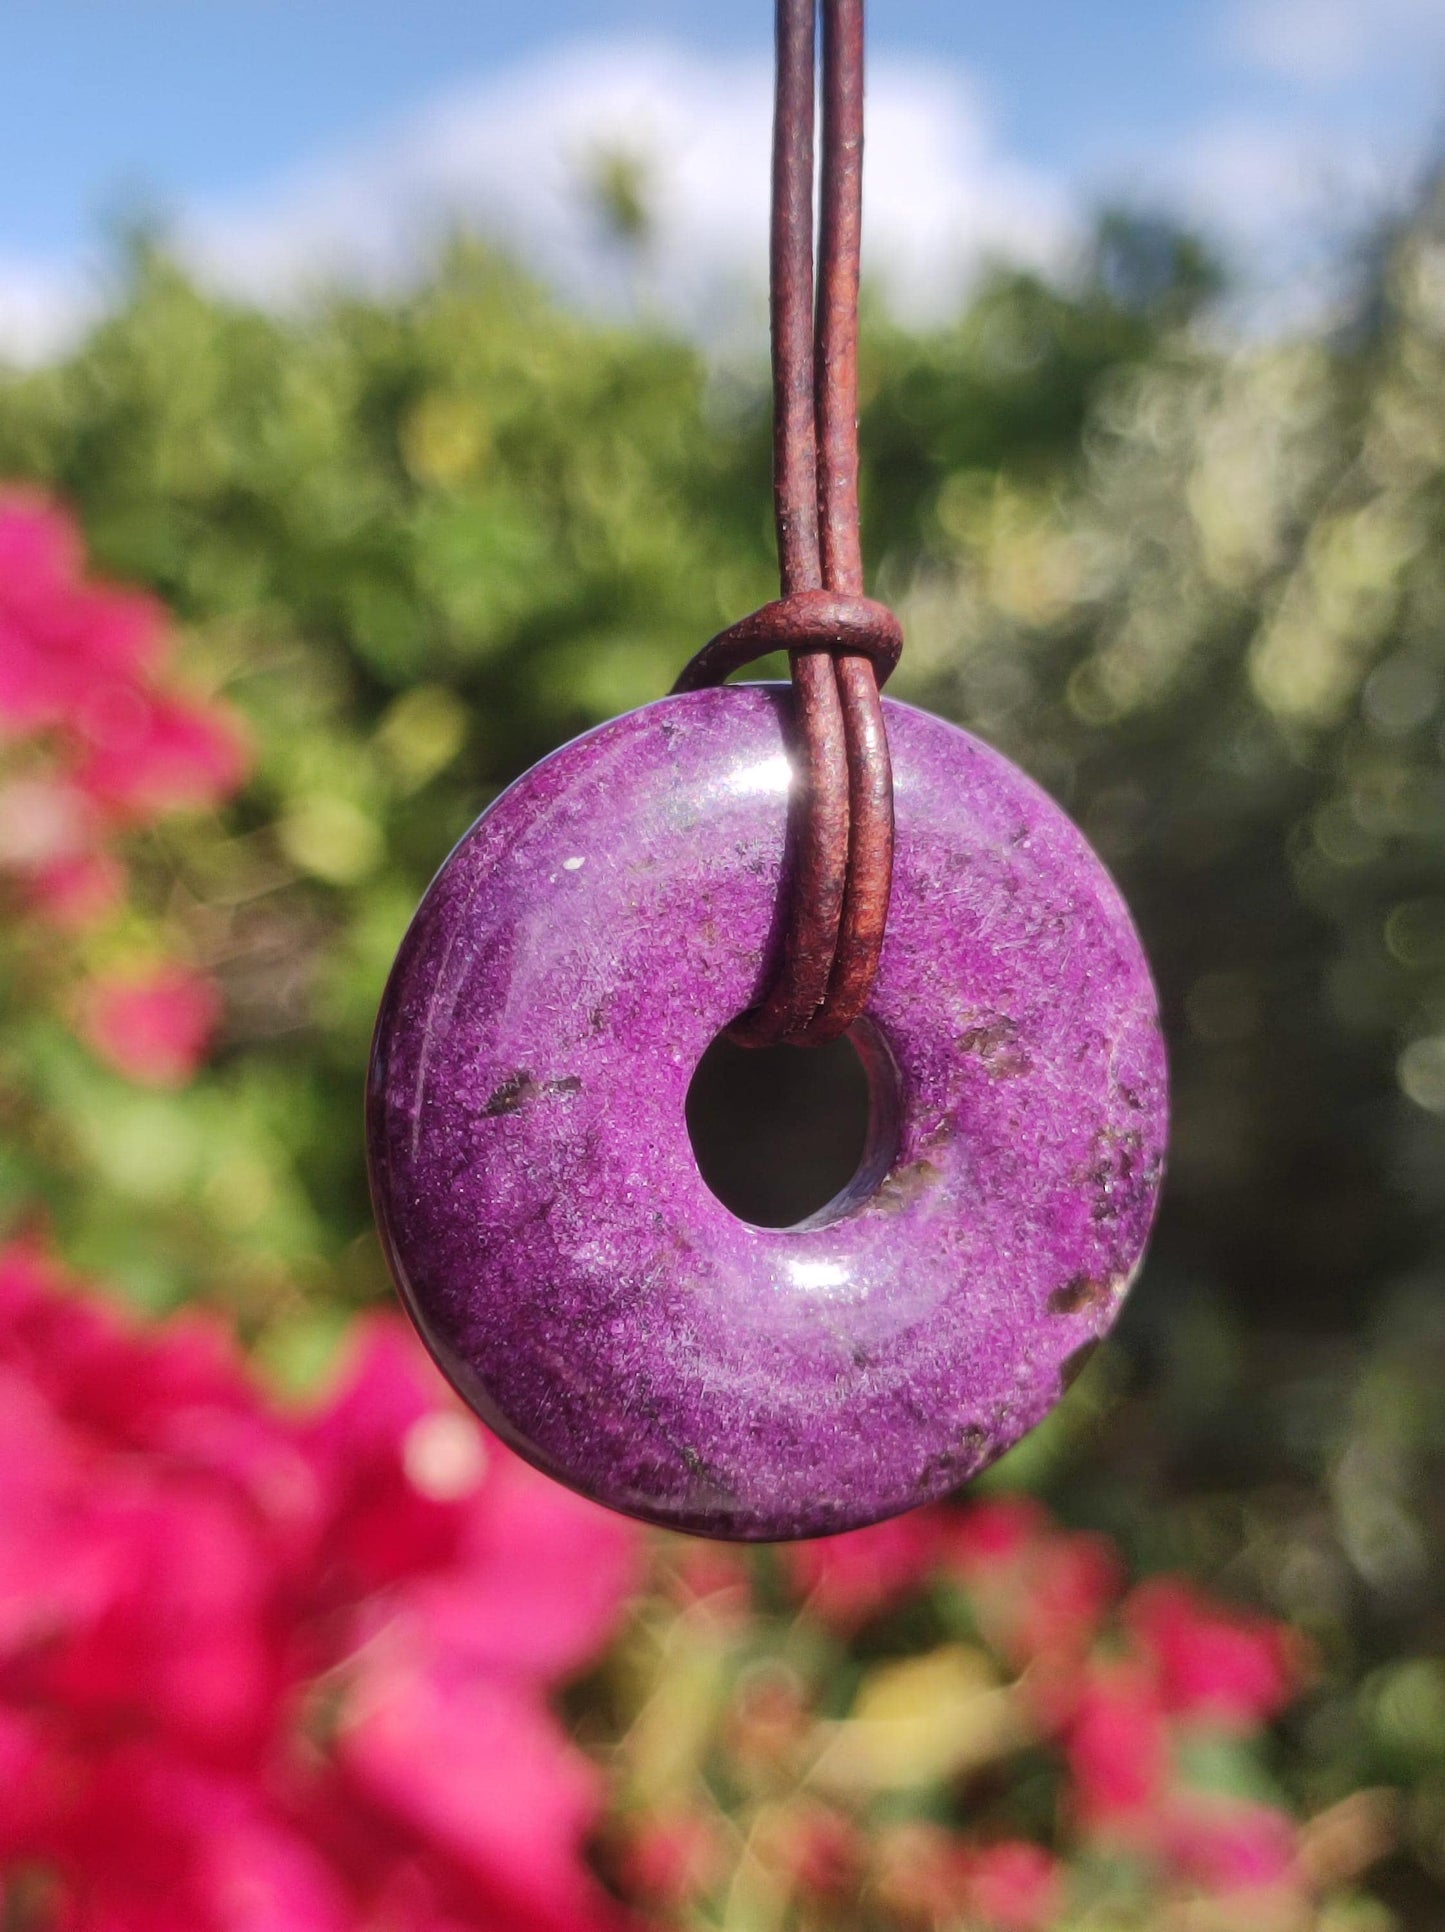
{"x":537,"y":1191}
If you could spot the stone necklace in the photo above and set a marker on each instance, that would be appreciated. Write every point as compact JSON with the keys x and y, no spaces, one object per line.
{"x":781,"y":863}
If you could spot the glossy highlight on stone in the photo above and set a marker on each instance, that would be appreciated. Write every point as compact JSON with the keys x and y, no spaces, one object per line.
{"x":537,"y":1192}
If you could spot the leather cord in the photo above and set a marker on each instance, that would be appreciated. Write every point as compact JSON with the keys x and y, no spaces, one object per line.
{"x":841,"y":644}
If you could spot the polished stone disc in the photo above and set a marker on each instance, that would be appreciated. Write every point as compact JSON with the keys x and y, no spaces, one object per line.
{"x":537,"y":1191}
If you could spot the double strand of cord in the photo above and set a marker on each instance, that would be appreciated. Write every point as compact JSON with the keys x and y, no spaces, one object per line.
{"x":842,"y":869}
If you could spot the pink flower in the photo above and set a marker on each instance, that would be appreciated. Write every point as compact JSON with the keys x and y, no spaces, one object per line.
{"x":1070,"y":1587}
{"x":1040,"y":1594}
{"x":530,"y":1584}
{"x":64,"y":643}
{"x":260,"y":1671}
{"x":49,"y":1577}
{"x":145,"y":1838}
{"x":1015,"y":1886}
{"x":28,"y":1780}
{"x":177,"y":1633}
{"x":1230,"y":1845}
{"x":32,"y":1284}
{"x":381,"y":1525}
{"x":670,"y":1859}
{"x":40,"y":549}
{"x":146,"y":755}
{"x":73,"y":894}
{"x":1117,"y":1749}
{"x":79,"y":664}
{"x":1212,"y":1663}
{"x":994,"y":1532}
{"x":49,"y":841}
{"x":921,"y":1874}
{"x":823,"y":1851}
{"x":471,"y":1767}
{"x":847,"y":1579}
{"x":717,"y":1574}
{"x":154,"y":1027}
{"x":44,"y":819}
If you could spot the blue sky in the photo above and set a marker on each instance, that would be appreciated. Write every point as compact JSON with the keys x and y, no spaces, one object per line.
{"x":230,"y":115}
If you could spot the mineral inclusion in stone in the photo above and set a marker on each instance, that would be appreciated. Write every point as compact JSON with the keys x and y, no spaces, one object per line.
{"x":537,"y":1192}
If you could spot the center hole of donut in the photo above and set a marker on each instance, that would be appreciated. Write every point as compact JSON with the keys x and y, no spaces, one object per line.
{"x":790,"y":1136}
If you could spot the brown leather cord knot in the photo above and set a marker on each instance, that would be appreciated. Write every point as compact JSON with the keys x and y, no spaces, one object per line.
{"x":842,"y":644}
{"x":809,"y":620}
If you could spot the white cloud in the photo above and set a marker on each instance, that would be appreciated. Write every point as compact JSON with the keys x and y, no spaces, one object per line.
{"x":1259,"y":182}
{"x":1321,"y":43}
{"x":510,"y":157}
{"x":1280,"y":200}
{"x":43,"y":307}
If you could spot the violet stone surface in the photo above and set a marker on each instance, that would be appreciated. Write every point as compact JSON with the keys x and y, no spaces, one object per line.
{"x":538,"y":1195}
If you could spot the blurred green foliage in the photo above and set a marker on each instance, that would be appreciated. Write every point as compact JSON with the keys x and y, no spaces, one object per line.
{"x":1199,"y":591}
